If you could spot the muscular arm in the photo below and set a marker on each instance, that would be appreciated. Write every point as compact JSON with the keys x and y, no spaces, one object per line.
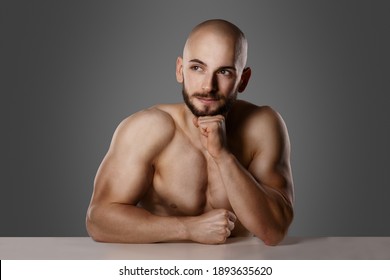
{"x":261,"y":196}
{"x":124,"y":177}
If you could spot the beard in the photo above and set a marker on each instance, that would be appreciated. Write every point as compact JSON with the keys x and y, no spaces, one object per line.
{"x":223,"y":109}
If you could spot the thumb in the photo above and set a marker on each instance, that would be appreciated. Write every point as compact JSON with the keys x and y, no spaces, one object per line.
{"x":195,"y":121}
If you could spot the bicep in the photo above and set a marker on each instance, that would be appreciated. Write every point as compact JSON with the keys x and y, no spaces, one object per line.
{"x":271,"y":161}
{"x":120,"y":180}
{"x":126,"y":172}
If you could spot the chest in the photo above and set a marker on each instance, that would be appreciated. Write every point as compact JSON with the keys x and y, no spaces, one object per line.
{"x":187,"y":180}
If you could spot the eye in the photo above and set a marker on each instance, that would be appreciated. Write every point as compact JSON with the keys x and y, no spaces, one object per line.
{"x":225,"y":72}
{"x":196,"y":68}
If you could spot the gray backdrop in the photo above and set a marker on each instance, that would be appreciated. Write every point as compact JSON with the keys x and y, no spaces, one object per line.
{"x":72,"y":70}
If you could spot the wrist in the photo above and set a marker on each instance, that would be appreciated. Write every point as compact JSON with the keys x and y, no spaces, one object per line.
{"x":223,"y":156}
{"x":184,"y":231}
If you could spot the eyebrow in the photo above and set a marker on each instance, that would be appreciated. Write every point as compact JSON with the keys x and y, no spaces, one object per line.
{"x":198,"y":61}
{"x":195,"y":60}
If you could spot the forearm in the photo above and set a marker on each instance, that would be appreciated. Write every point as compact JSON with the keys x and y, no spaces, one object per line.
{"x":123,"y":223}
{"x":262,"y":210}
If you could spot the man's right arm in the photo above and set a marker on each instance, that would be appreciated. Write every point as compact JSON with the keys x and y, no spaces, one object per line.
{"x":124,"y":177}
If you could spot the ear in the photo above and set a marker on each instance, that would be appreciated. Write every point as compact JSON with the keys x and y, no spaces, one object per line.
{"x":246,"y":74}
{"x":179,"y":70}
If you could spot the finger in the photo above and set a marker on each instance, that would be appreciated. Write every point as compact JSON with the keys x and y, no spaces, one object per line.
{"x":203,"y":130}
{"x":195,"y":121}
{"x":230,"y":225}
{"x":210,"y":126}
{"x":213,"y":126}
{"x":210,"y":120}
{"x":232,"y":217}
{"x":228,"y":232}
{"x":216,"y":117}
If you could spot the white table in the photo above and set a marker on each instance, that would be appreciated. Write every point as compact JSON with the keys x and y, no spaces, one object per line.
{"x":80,"y":248}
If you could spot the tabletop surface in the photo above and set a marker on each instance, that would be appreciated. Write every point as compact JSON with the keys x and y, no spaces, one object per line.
{"x":299,"y":248}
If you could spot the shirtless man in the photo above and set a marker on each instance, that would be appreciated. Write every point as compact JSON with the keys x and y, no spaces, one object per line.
{"x":203,"y":170}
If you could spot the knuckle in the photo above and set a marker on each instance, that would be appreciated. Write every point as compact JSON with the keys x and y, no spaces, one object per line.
{"x":228,"y":232}
{"x":221,"y":239}
{"x":225,"y":213}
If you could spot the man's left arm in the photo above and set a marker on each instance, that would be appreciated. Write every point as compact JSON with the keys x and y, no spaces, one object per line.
{"x":262,"y":195}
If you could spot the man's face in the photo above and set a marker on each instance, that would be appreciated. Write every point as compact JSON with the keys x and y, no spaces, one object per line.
{"x":210,"y":73}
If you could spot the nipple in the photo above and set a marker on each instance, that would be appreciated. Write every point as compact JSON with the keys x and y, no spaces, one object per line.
{"x":173,"y":205}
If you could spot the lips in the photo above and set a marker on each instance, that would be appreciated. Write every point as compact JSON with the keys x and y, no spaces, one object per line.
{"x":207,"y":100}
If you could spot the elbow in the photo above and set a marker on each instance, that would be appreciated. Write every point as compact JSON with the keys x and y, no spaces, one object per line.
{"x":92,"y":231}
{"x":91,"y":224}
{"x":274,"y":234}
{"x":274,"y":238}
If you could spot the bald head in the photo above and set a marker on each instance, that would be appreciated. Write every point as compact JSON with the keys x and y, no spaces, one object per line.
{"x":219,"y":25}
{"x":217,"y":33}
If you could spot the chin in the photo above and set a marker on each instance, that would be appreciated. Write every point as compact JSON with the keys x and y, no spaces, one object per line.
{"x":205,"y":112}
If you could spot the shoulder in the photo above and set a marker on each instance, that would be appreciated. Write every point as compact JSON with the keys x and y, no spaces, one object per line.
{"x":147,"y":120}
{"x":150,"y":129}
{"x":258,"y":118}
{"x":263,"y":128}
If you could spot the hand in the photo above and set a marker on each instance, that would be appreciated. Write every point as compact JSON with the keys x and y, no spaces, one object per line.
{"x":213,"y":227}
{"x":213,"y":134}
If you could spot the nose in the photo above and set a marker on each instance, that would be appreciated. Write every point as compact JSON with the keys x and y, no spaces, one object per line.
{"x":209,"y":83}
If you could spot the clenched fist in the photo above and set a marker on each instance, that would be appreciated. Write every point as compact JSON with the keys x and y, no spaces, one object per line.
{"x":212,"y":133}
{"x":212,"y":227}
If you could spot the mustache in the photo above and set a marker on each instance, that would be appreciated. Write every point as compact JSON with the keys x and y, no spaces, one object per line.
{"x":211,"y":96}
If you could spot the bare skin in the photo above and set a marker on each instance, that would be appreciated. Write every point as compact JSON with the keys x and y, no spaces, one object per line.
{"x":171,"y":174}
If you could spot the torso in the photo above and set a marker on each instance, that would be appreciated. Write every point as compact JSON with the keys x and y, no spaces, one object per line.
{"x":186,"y":181}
